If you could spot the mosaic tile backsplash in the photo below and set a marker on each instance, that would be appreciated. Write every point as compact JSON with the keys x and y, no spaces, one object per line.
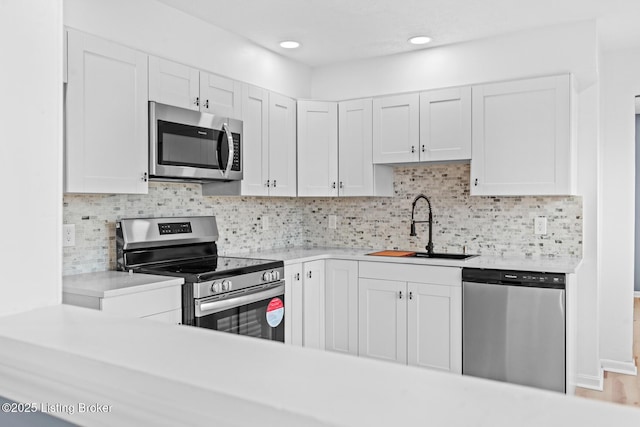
{"x":485,"y":225}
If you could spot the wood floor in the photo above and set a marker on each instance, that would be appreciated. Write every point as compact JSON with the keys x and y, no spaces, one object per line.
{"x":620,"y":388}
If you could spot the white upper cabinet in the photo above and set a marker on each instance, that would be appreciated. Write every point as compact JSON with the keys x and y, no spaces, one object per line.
{"x":335,"y":151}
{"x":106,"y":117}
{"x":255,"y":133}
{"x":220,"y":96}
{"x":445,"y":124}
{"x":317,"y":148}
{"x":174,"y":84}
{"x":523,"y":142}
{"x":396,"y":129}
{"x":182,"y":86}
{"x":282,"y":146}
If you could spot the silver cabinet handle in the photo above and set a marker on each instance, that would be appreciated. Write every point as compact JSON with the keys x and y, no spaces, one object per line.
{"x":197,"y":101}
{"x":225,"y":128}
{"x":400,"y":296}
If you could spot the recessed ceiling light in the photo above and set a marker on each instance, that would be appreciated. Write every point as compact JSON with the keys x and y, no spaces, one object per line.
{"x":419,"y":40}
{"x":289,"y":44}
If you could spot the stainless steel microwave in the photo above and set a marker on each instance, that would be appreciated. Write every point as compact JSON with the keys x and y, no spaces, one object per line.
{"x":187,"y":145}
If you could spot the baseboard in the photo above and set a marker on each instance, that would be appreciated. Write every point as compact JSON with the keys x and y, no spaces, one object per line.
{"x":591,"y":382}
{"x":627,"y":368}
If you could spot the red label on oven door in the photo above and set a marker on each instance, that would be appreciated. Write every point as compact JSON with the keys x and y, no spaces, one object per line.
{"x":275,"y":312}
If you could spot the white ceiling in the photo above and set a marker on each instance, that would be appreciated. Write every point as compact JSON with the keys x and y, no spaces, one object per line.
{"x":341,"y":30}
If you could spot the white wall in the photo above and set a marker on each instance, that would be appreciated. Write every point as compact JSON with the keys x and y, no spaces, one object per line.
{"x":31,"y":153}
{"x":620,"y":84}
{"x":553,"y":50}
{"x":156,"y":28}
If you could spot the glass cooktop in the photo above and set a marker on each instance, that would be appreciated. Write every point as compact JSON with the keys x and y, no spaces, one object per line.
{"x":213,"y":267}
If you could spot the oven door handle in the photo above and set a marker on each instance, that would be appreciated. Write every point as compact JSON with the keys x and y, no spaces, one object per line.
{"x":207,"y":308}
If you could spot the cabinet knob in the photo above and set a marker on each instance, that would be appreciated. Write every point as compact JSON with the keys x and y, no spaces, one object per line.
{"x":298,"y":276}
{"x":410,"y":295}
{"x":206,"y":104}
{"x":413,"y":149}
{"x":423,"y":148}
{"x":145,"y":177}
{"x":267,"y":184}
{"x":274,"y":183}
{"x":309,"y":275}
{"x":476,"y":182}
{"x":400,"y":295}
{"x":341,"y":185}
{"x":333,"y":184}
{"x":197,"y":101}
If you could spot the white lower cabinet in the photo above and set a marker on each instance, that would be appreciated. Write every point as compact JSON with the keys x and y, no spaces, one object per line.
{"x":411,"y":314}
{"x":304,"y":304}
{"x":341,"y":306}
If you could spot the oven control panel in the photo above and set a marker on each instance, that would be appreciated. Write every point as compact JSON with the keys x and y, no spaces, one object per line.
{"x":174,"y":228}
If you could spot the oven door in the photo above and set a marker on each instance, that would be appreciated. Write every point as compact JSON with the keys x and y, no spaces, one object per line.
{"x":258,"y":312}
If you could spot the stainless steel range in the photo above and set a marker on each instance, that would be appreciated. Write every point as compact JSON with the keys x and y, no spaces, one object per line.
{"x":244,"y":296}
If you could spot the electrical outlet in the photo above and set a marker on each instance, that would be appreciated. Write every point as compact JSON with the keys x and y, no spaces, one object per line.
{"x":68,"y":235}
{"x":333,"y":222}
{"x":540,"y":225}
{"x":265,"y":222}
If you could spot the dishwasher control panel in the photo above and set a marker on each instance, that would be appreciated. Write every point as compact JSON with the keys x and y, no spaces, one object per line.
{"x":515,"y":277}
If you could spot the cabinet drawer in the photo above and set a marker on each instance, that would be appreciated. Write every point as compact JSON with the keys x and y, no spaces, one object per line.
{"x":173,"y":317}
{"x":437,"y":275}
{"x":143,"y":304}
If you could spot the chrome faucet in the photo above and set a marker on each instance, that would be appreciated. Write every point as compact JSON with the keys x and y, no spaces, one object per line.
{"x":429,"y":246}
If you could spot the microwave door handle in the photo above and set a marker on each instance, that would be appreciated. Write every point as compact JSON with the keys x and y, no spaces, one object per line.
{"x":225,"y":128}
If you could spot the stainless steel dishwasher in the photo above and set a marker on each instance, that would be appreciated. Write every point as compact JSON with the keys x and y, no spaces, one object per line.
{"x":513,"y":327}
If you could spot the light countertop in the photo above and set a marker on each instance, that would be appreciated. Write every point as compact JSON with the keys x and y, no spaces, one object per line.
{"x":180,"y":375}
{"x":541,"y":264}
{"x":105,"y":284}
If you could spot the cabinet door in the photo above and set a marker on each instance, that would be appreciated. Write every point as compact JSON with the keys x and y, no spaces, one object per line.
{"x":293,"y":304}
{"x":174,"y":84}
{"x":255,"y":146}
{"x":317,"y":148}
{"x":341,"y":306}
{"x":282,"y":145}
{"x":220,"y":96}
{"x":313,"y":304}
{"x":106,"y":117}
{"x":445,"y":124}
{"x":355,"y":155}
{"x":433,"y":319}
{"x":396,"y":129}
{"x":382,"y":319}
{"x":522,"y":138}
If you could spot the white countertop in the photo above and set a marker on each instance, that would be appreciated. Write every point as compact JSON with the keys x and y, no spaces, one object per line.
{"x":541,"y":264}
{"x":180,"y":375}
{"x":105,"y":284}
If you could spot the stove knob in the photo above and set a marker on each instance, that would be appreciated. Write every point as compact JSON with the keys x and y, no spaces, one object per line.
{"x":267,"y":276}
{"x":276,"y":275}
{"x":215,"y":288}
{"x":227,"y":285}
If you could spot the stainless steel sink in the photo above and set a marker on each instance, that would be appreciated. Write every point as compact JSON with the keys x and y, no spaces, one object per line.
{"x":442,"y":255}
